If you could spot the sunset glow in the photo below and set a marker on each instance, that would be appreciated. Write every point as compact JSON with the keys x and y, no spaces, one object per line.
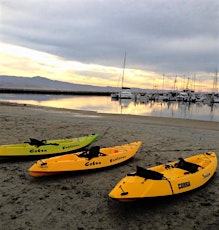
{"x":20,"y":61}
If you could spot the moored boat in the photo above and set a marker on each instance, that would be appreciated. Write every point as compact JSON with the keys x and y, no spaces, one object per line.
{"x":95,"y":158}
{"x":46,"y":147}
{"x":125,"y":93}
{"x":167,"y":179}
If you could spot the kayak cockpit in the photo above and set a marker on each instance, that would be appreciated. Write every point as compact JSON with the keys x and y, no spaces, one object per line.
{"x":93,"y":152}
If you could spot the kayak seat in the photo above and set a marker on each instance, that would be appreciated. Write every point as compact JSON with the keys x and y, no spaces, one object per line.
{"x":36,"y":142}
{"x":188,"y":166}
{"x":147,"y":174}
{"x":93,"y":152}
{"x":39,"y":143}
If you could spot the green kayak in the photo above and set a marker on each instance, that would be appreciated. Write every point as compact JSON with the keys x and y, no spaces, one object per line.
{"x":46,"y":147}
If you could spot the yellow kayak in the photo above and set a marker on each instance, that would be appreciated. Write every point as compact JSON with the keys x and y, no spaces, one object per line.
{"x":92,"y":159}
{"x":167,"y":179}
{"x":49,"y":147}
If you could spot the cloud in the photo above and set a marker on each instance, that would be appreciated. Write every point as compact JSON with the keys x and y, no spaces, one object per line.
{"x":173,"y":36}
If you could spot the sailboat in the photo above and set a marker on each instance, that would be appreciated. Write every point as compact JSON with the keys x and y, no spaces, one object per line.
{"x":125,"y":92}
{"x":215,"y":94}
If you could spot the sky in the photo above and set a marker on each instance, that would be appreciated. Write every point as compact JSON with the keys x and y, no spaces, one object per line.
{"x":168,"y":43}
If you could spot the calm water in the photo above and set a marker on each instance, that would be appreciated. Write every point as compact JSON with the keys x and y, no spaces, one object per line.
{"x":106,"y":105}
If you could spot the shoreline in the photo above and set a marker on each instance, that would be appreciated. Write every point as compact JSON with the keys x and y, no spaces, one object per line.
{"x":54,"y":92}
{"x":80,"y":200}
{"x":172,"y":110}
{"x":203,"y":124}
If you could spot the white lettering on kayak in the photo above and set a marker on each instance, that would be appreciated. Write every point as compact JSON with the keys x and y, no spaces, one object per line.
{"x":184,"y":185}
{"x":206,"y":175}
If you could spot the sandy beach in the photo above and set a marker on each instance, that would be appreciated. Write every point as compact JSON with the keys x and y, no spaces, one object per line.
{"x":80,"y":200}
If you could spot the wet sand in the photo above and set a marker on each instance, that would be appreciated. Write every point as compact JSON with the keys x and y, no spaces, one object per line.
{"x":80,"y":200}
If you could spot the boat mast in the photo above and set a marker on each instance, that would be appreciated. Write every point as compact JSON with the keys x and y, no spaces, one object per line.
{"x":187,"y":84}
{"x":175,"y":81}
{"x":123,"y":72}
{"x":215,"y":89}
{"x":194,"y":79}
{"x":163,"y":84}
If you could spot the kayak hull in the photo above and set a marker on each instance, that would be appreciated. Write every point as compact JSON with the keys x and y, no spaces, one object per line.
{"x":168,"y":179}
{"x":78,"y":162}
{"x":50,"y":147}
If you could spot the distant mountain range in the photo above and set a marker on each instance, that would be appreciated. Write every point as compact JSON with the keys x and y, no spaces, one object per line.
{"x":42,"y":83}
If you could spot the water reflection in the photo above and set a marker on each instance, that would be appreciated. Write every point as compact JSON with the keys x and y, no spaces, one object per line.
{"x":103,"y":104}
{"x":183,"y":110}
